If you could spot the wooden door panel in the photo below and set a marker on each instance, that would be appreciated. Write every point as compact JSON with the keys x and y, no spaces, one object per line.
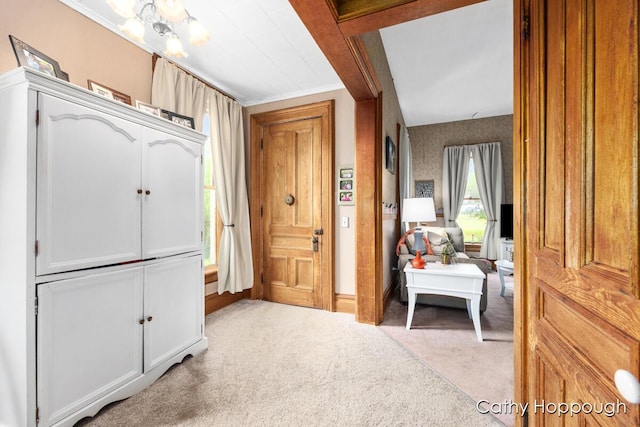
{"x":581,"y":206}
{"x":292,"y":167}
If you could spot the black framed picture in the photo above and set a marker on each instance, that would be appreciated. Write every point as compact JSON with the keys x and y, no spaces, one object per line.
{"x":185,"y":121}
{"x":30,"y":57}
{"x":391,"y":156}
{"x":425,"y":189}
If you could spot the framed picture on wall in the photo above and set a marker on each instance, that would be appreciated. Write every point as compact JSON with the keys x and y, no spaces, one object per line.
{"x":345,"y":185}
{"x":391,"y":156}
{"x":425,"y":189}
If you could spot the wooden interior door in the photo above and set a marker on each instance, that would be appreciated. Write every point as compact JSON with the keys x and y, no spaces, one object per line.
{"x":292,"y":189}
{"x":577,"y":254}
{"x":292,"y":212}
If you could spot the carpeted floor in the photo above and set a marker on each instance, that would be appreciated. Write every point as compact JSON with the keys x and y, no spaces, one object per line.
{"x":445,"y":340}
{"x":276,"y":365}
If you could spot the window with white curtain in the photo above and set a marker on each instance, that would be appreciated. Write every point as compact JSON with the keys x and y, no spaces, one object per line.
{"x":472,"y":218}
{"x":210,"y":212}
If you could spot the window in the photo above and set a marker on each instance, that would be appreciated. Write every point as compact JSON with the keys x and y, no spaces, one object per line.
{"x":472,"y":218}
{"x":210,"y":212}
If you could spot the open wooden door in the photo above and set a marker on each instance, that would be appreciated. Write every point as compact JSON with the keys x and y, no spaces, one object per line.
{"x":576,"y":147}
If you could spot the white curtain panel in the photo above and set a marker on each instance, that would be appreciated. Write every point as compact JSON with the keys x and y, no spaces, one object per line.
{"x":405,"y":170}
{"x":235,"y":266}
{"x":163,"y":85}
{"x":455,"y":168}
{"x":177,"y":91}
{"x":487,"y":161}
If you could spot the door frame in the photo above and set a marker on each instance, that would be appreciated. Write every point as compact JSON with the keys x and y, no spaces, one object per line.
{"x":325,"y":111}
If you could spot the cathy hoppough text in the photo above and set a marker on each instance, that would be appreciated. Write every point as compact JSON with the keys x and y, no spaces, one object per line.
{"x":608,"y":409}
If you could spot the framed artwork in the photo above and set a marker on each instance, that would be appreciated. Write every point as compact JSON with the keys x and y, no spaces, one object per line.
{"x":108,"y":92}
{"x":182,"y":120}
{"x":345,"y":185}
{"x":391,"y":156}
{"x":30,"y":57}
{"x":425,"y":189}
{"x":148,"y":108}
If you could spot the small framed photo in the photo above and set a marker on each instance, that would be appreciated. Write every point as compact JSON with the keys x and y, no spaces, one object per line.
{"x":30,"y":57}
{"x":346,"y":173}
{"x":346,"y":197}
{"x":185,"y":121}
{"x":108,"y":92}
{"x":148,"y":108}
{"x":346,"y":184}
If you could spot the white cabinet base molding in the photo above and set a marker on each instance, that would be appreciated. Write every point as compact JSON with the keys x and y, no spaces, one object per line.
{"x":101,"y":276}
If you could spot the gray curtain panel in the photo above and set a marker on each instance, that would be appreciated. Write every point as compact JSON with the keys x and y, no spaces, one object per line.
{"x":405,"y":171}
{"x":455,"y":168}
{"x":487,"y":161}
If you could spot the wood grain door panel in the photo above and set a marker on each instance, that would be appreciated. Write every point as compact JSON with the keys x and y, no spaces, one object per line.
{"x":292,"y":157}
{"x":580,"y":210}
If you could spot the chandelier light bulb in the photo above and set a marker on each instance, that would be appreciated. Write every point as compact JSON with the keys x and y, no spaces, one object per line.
{"x":198,"y":34}
{"x":134,"y":28}
{"x":162,"y":16}
{"x":123,"y":8}
{"x":174,"y":47}
{"x":172,"y":10}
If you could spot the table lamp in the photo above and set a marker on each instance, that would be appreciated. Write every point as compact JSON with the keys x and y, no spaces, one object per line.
{"x":418,"y":209}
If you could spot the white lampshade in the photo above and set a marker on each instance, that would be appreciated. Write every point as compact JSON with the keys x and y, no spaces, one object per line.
{"x":134,"y":28}
{"x":172,"y":10}
{"x":419,"y":209}
{"x":123,"y":8}
{"x":198,"y":34}
{"x":174,"y":47}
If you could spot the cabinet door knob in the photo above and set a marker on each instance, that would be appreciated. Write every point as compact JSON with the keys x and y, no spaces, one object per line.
{"x":139,"y":190}
{"x":141,"y":321}
{"x":147,"y":192}
{"x":150,"y":318}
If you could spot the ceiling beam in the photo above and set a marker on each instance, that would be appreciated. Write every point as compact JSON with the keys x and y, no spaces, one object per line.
{"x":347,"y":9}
{"x":398,"y":14}
{"x":320,"y":19}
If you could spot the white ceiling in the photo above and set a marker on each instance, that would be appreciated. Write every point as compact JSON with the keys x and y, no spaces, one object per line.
{"x":445,"y":67}
{"x":455,"y":65}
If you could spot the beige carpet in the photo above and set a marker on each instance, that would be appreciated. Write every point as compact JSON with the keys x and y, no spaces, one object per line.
{"x":276,"y":365}
{"x":444,"y":339}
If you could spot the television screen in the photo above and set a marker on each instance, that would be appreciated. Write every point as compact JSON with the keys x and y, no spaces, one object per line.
{"x":506,"y":221}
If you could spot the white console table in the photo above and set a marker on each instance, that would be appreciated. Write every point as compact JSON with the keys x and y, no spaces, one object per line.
{"x":455,"y":280}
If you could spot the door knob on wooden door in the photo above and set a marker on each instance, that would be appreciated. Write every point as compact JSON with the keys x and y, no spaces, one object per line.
{"x":628,"y":385}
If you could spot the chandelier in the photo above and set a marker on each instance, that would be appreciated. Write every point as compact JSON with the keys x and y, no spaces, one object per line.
{"x":162,"y":15}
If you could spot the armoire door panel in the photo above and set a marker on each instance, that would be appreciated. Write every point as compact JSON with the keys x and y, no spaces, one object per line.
{"x":89,"y":339}
{"x":88,"y":176}
{"x":172,"y":193}
{"x":172,"y":308}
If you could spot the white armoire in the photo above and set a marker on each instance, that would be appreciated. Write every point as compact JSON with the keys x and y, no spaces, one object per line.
{"x":101,"y":277}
